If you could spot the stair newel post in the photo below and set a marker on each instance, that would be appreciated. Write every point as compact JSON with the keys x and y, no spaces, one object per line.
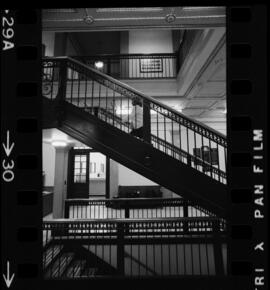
{"x":146,"y":121}
{"x":60,"y":98}
{"x":218,"y":249}
{"x":120,"y":248}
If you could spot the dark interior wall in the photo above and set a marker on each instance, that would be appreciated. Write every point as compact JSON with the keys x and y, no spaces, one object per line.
{"x":177,"y":36}
{"x":60,"y":44}
{"x":124,"y":42}
{"x":98,"y":42}
{"x":73,"y":47}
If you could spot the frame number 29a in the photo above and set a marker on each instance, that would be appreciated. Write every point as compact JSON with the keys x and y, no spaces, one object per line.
{"x":7,"y":30}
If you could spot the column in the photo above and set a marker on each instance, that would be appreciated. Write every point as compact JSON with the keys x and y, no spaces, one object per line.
{"x":60,"y":181}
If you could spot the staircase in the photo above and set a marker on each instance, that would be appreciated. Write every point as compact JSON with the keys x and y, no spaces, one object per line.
{"x":66,"y":262}
{"x":175,"y":151}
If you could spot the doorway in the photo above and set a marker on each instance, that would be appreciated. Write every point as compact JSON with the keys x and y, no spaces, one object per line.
{"x":97,"y":174}
{"x":87,"y":174}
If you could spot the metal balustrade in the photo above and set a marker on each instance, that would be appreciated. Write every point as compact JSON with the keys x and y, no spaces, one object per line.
{"x":187,"y":140}
{"x":143,"y":208}
{"x":139,"y":248}
{"x":134,"y":66}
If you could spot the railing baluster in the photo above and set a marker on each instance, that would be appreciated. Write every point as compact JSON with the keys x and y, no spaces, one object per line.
{"x":195,"y":146}
{"x":78,"y":92}
{"x":92,"y":96}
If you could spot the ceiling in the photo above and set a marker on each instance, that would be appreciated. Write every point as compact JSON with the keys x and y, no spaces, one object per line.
{"x":200,"y":90}
{"x":93,"y":19}
{"x":51,"y":135}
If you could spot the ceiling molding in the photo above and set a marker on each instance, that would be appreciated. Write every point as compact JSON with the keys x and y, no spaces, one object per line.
{"x":129,"y":9}
{"x":123,"y":18}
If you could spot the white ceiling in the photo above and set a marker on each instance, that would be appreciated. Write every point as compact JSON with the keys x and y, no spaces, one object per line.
{"x":91,"y":19}
{"x":51,"y":135}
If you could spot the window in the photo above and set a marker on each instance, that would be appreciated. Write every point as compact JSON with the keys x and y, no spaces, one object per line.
{"x":80,"y":169}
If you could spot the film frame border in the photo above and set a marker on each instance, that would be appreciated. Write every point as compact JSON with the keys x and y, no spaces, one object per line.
{"x":22,"y":218}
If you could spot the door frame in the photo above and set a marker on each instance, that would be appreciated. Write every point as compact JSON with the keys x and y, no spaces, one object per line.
{"x":72,"y":152}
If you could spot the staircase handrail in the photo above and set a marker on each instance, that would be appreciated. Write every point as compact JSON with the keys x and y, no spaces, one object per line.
{"x":210,"y":130}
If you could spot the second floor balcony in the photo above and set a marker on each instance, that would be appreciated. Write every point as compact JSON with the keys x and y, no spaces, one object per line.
{"x":134,"y":66}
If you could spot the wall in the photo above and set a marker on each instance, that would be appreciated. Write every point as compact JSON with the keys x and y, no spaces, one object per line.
{"x":147,"y":42}
{"x":48,"y":163}
{"x":102,"y":42}
{"x":150,"y":41}
{"x":72,"y":45}
{"x":124,"y":42}
{"x":128,"y":177}
{"x":70,"y":48}
{"x":97,"y":187}
{"x":113,"y":178}
{"x":48,"y":39}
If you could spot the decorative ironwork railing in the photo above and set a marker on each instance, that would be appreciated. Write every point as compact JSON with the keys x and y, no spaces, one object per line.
{"x":143,"y":208}
{"x":171,"y":132}
{"x":134,"y":66}
{"x":159,"y":247}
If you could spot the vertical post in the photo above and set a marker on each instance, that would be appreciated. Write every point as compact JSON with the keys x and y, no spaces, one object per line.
{"x":218,"y":249}
{"x":62,"y":80}
{"x":176,"y":59}
{"x":66,"y":210}
{"x":188,"y":160}
{"x":146,"y":121}
{"x":109,"y":66}
{"x":126,"y":212}
{"x":120,"y":249}
{"x":61,"y":90}
{"x":185,"y":215}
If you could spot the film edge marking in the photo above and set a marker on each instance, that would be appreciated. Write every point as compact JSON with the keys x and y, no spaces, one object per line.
{"x":8,"y":279}
{"x":257,"y":169}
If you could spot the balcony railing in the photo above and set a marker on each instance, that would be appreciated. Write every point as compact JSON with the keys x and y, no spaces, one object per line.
{"x":143,"y":208}
{"x":134,"y":66}
{"x":153,"y":247}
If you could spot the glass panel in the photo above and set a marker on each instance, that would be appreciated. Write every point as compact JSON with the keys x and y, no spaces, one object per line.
{"x":77,"y":158}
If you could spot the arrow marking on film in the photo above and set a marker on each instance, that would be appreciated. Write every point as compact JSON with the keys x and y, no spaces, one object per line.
{"x":8,"y":279}
{"x":6,"y":146}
